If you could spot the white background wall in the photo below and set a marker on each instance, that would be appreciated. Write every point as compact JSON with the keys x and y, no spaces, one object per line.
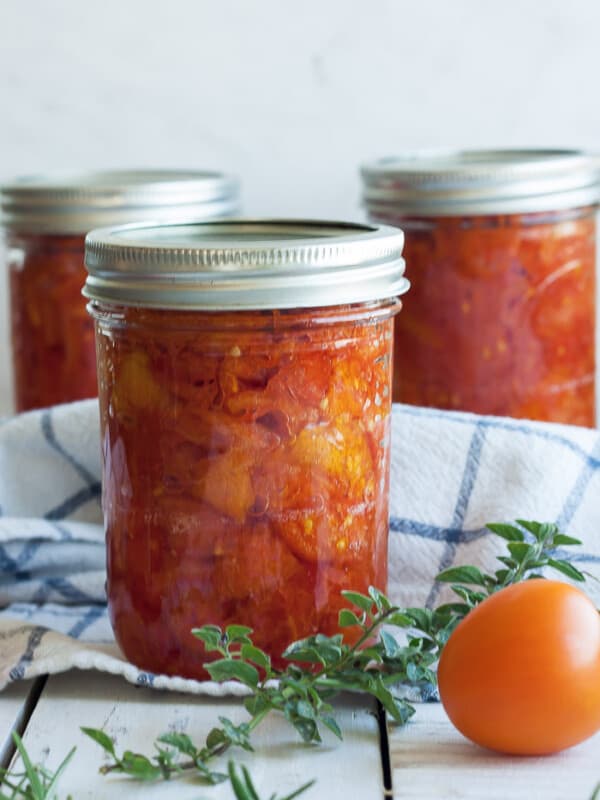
{"x":291,"y":96}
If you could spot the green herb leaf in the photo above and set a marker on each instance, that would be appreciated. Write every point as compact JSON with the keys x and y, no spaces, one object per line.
{"x":332,"y":725}
{"x":359,"y":600}
{"x":304,"y":652}
{"x":398,"y":619}
{"x":452,"y":608}
{"x":421,"y":617}
{"x":567,"y":569}
{"x":346,"y":618}
{"x":509,"y":532}
{"x":257,"y":656}
{"x":180,"y":741}
{"x":211,"y":635}
{"x":390,"y":645}
{"x":237,"y":632}
{"x":237,"y":734}
{"x":226,"y":669}
{"x":381,"y":601}
{"x":467,"y":574}
{"x":305,"y":710}
{"x":307,"y":728}
{"x":561,"y":539}
{"x":535,"y":528}
{"x":520,"y":550}
{"x":216,"y":738}
{"x":139,"y":767}
{"x":472,"y":597}
{"x":101,"y":738}
{"x":511,"y":563}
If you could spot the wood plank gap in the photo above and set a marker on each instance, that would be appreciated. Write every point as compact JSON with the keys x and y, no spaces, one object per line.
{"x":384,"y":747}
{"x":22,"y":720}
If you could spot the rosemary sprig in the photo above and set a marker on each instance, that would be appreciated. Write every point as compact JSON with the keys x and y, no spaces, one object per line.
{"x":319,"y":667}
{"x":243,"y":787}
{"x":35,"y":782}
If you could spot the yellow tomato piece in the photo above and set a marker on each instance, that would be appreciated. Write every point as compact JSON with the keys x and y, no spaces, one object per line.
{"x":137,"y":388}
{"x":341,"y":450}
{"x":227,"y":486}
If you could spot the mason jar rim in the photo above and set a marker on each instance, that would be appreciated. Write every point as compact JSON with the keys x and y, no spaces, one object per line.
{"x":245,"y":264}
{"x":77,"y":202}
{"x":456,"y":182}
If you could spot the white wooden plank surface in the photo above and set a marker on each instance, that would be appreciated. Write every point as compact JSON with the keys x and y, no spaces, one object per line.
{"x":431,"y":760}
{"x":13,"y":713}
{"x":134,"y":717}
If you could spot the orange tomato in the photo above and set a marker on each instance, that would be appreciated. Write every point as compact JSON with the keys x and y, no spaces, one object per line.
{"x":521,"y":673}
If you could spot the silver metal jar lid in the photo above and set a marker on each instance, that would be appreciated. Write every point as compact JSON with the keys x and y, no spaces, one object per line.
{"x":449,"y":183}
{"x":77,"y":203}
{"x":245,"y":264}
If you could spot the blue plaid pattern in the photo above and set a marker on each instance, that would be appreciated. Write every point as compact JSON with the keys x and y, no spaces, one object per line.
{"x":451,"y":473}
{"x":454,"y":472}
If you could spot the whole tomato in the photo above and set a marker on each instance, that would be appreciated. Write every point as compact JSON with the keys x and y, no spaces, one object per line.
{"x":521,"y":672}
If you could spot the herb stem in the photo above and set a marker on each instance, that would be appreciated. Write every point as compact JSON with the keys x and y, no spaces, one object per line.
{"x":353,"y":649}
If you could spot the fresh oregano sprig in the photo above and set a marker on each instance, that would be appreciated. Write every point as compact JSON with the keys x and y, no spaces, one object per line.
{"x":319,"y":667}
{"x":178,"y":756}
{"x":300,"y":693}
{"x":532,"y":546}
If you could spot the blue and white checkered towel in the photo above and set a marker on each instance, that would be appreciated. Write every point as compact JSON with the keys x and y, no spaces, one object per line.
{"x":451,"y":473}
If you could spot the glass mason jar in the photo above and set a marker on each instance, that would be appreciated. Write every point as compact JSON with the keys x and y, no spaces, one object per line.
{"x":501,"y":253}
{"x":245,"y":396}
{"x":45,"y":222}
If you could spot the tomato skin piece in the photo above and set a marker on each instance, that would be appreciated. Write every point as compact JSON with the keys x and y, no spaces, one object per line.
{"x":521,"y":673}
